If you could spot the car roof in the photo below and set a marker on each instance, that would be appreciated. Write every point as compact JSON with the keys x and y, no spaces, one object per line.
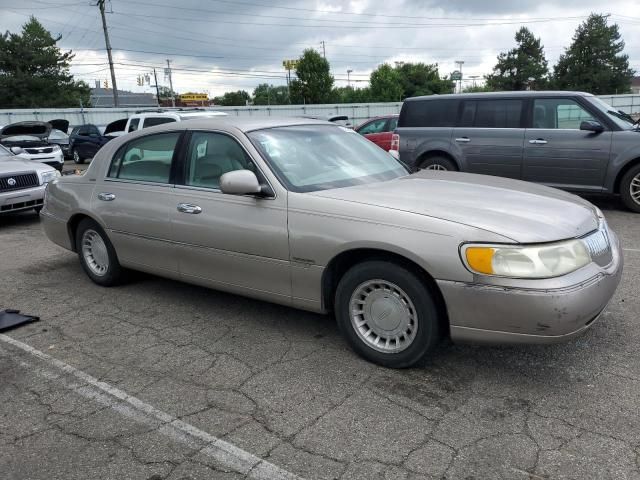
{"x":244,"y":124}
{"x":511,"y":94}
{"x":180,"y":114}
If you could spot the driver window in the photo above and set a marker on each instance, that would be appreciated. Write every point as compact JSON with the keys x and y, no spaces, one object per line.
{"x":377,"y":126}
{"x":211,"y":155}
{"x":559,"y":113}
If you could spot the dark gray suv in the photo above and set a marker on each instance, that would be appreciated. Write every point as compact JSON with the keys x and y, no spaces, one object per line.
{"x":569,"y":140}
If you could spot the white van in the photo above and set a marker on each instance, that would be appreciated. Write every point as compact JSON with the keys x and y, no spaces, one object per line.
{"x":142,"y":120}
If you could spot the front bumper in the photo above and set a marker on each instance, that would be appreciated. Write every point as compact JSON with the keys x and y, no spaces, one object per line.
{"x":538,"y":311}
{"x":17,"y":200}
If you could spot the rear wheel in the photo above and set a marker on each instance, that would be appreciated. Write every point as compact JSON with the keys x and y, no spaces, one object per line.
{"x":438,"y":162}
{"x":97,"y":255}
{"x":630,"y":189}
{"x":387,"y":314}
{"x":77,"y":158}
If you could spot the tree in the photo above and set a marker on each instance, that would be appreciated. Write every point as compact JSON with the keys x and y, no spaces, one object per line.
{"x":422,"y":79}
{"x":314,"y":83}
{"x":594,"y":62}
{"x":477,"y":89}
{"x":233,"y":99}
{"x":265,"y":94}
{"x":385,"y":84}
{"x":521,"y":68}
{"x":34,"y":72}
{"x":351,"y":95}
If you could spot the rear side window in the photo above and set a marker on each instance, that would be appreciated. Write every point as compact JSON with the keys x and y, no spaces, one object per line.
{"x":146,"y":159}
{"x":429,"y":113}
{"x":491,"y":114}
{"x":153,"y":121}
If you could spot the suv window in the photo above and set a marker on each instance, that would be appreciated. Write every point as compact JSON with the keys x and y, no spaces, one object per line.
{"x":429,"y":113}
{"x":211,"y":155}
{"x":376,"y":126}
{"x":491,"y":113}
{"x":559,"y":113}
{"x":147,"y":159}
{"x":153,"y":121}
{"x":133,"y":124}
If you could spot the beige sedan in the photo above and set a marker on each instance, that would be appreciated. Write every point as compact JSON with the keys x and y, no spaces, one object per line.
{"x":311,"y":215}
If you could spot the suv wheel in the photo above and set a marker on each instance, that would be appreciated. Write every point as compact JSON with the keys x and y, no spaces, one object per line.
{"x":630,"y":189}
{"x":387,"y":314}
{"x":76,"y":157}
{"x":97,"y":255}
{"x":438,"y":163}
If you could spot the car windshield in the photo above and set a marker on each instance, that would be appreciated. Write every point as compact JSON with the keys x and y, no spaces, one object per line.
{"x":58,"y":135}
{"x":620,"y":118}
{"x":308,"y":158}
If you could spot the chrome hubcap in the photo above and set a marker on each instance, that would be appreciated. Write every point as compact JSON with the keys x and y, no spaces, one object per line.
{"x":436,"y":166}
{"x":634,"y":188}
{"x":383,"y":316}
{"x":94,"y":252}
{"x":76,"y":156}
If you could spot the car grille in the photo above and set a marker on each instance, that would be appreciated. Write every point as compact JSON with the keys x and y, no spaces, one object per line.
{"x":36,"y":151}
{"x":18,"y":182}
{"x":599,"y":247}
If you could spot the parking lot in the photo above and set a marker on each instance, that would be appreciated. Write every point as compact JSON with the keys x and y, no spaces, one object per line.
{"x":157,"y":379}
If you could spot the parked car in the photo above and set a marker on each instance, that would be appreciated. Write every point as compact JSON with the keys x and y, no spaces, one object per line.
{"x":86,"y":140}
{"x":29,"y":141}
{"x":379,"y":130}
{"x":569,"y":140}
{"x":22,"y":182}
{"x":310,"y":215}
{"x":58,"y":137}
{"x":147,"y":119}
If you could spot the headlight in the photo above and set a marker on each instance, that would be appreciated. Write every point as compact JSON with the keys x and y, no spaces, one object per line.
{"x":48,"y":176}
{"x":537,"y":261}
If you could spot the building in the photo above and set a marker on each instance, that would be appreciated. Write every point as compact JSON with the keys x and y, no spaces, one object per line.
{"x":635,"y":85}
{"x":103,"y":97}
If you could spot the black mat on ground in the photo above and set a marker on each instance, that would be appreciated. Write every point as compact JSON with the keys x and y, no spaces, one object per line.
{"x":13,"y":318}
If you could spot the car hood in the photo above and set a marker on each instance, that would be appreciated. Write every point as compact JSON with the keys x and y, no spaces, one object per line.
{"x":522,"y":211}
{"x":33,"y":129}
{"x":12,"y":164}
{"x":59,"y":124}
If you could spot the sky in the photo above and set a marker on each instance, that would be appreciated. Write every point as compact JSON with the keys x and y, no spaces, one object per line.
{"x":223,"y":45}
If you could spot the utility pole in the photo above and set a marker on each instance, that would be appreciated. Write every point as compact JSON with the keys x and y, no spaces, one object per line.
{"x":155,"y":77}
{"x":348,"y":77}
{"x":173,"y":99}
{"x":324,"y":53}
{"x":460,"y":63}
{"x":116,"y":103}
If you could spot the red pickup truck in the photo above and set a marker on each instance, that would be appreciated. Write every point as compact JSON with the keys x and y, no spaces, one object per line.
{"x":379,"y":130}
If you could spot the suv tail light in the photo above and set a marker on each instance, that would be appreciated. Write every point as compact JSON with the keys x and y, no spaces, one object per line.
{"x":395,"y":142}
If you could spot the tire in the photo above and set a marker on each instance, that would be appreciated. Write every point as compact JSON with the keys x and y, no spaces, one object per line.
{"x":77,"y":158}
{"x":630,"y":189}
{"x":99,"y":262}
{"x":438,"y":162}
{"x":407,"y":307}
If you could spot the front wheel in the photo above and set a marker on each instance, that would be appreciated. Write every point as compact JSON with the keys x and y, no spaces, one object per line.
{"x":387,"y":314}
{"x":97,"y":255}
{"x":76,"y":157}
{"x":630,"y":189}
{"x":438,"y":163}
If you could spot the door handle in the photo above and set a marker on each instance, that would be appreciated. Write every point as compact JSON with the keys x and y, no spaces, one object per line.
{"x":538,"y":141}
{"x":189,"y":208}
{"x":463,"y":139}
{"x":106,"y":197}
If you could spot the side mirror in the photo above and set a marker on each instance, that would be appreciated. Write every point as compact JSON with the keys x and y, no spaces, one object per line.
{"x":17,"y":150}
{"x":240,"y":182}
{"x":591,"y":126}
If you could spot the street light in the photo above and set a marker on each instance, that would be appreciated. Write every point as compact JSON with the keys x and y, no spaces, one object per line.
{"x":460,"y":63}
{"x":348,"y":77}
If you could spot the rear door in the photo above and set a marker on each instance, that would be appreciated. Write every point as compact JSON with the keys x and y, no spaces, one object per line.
{"x":375,"y":131}
{"x":489,"y":136}
{"x":558,"y":153}
{"x":134,"y":202}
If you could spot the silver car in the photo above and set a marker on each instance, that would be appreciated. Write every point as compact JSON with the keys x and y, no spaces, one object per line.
{"x":313,"y":216}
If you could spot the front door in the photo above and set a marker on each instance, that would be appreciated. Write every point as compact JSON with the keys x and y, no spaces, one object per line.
{"x":558,"y":153}
{"x":135,"y":199}
{"x":489,"y":137}
{"x":232,"y":242}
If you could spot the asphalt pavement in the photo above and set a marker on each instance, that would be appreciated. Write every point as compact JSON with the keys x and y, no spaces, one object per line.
{"x":157,"y":379}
